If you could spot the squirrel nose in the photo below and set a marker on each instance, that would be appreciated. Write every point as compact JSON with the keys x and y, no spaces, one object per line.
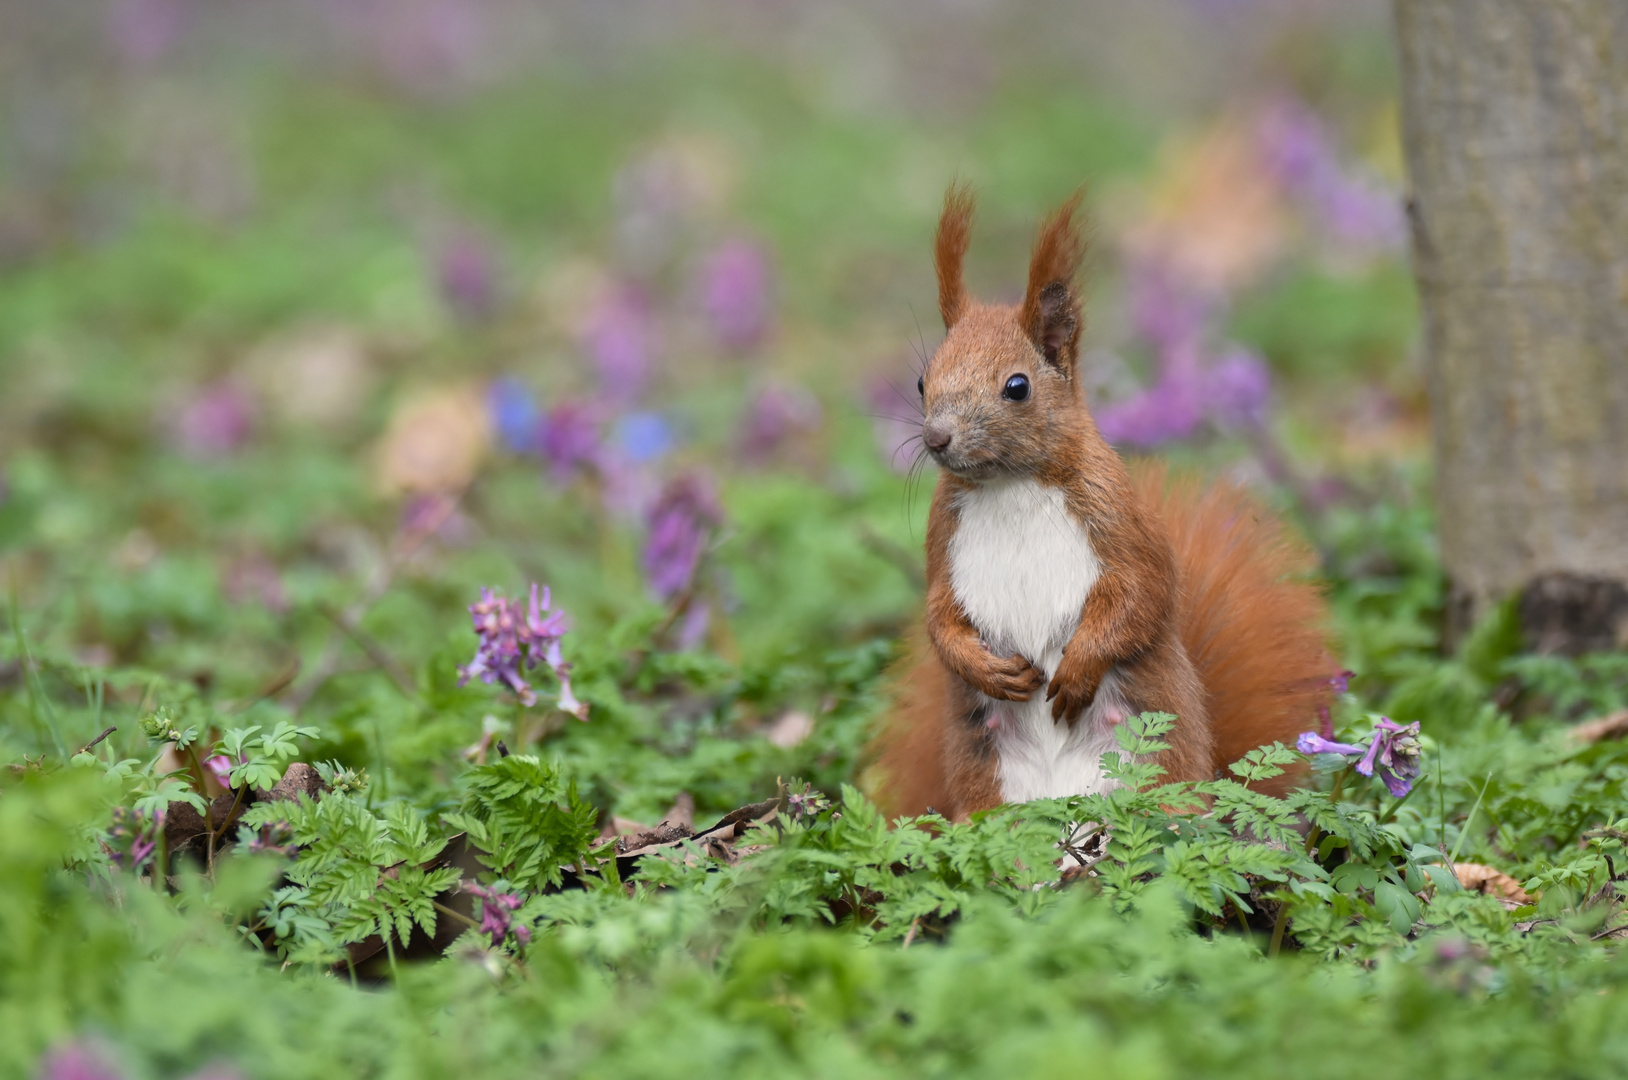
{"x":936,"y":435}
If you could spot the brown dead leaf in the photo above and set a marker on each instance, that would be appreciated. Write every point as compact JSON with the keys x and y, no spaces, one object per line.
{"x":1610,"y":726}
{"x":1485,"y":879}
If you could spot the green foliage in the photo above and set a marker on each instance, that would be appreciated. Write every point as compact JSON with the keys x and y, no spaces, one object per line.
{"x":525,"y":819}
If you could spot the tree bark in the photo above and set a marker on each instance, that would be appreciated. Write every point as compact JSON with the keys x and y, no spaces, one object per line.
{"x":1514,"y":120}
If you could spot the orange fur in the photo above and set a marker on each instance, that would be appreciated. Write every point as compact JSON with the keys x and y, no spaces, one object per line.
{"x":950,"y":248}
{"x":1250,"y":620}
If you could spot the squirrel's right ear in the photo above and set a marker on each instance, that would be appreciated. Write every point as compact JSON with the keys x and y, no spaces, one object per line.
{"x":950,"y":248}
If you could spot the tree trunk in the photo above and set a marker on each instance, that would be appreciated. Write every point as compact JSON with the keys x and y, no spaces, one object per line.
{"x":1514,"y":116}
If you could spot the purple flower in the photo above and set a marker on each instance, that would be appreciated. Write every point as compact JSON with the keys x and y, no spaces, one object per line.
{"x":216,"y":420}
{"x":1300,"y":153}
{"x":692,"y":629}
{"x":512,"y":640}
{"x":497,"y":910}
{"x":679,"y":524}
{"x":1392,"y":753}
{"x":779,"y":411}
{"x":735,"y":293}
{"x":466,"y":275}
{"x":516,"y":416}
{"x":1232,"y":390}
{"x":1238,"y":389}
{"x":619,"y":335}
{"x":1312,"y":743}
{"x":1166,"y":312}
{"x":643,"y":436}
{"x":77,"y":1061}
{"x":570,"y":439}
{"x":1169,"y":410}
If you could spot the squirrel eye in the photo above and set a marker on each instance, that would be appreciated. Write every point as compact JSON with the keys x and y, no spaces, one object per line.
{"x":1016,"y":389}
{"x":921,"y":385}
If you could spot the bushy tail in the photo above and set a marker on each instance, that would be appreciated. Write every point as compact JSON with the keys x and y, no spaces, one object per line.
{"x":1252,"y":621}
{"x":906,"y":775}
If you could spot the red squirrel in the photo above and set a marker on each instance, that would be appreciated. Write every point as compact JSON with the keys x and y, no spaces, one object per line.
{"x":1067,"y":592}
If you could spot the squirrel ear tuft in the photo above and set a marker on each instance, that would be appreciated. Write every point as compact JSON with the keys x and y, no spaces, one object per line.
{"x":950,"y":248}
{"x":1051,"y":311}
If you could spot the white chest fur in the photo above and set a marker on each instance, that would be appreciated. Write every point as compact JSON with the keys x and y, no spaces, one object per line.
{"x":1021,"y":567}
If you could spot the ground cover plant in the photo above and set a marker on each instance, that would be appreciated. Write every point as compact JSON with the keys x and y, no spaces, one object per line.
{"x":454,"y":530}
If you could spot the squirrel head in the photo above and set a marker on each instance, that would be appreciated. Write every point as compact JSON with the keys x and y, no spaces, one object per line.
{"x":1001,"y":389}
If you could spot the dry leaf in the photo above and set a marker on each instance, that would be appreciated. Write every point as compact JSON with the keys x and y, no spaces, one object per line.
{"x":790,"y":729}
{"x":1484,"y":879}
{"x":1610,"y":726}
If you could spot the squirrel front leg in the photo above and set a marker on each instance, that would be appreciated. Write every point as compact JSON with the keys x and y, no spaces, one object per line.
{"x":1122,"y":616}
{"x":1009,"y":678}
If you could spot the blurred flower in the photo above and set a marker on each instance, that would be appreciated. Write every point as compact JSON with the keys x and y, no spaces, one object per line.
{"x":315,"y":375}
{"x":1170,"y":410}
{"x":1352,"y":206}
{"x":217,"y":420}
{"x":221,"y":766}
{"x":895,"y":421}
{"x":619,"y":335}
{"x":1392,"y":753}
{"x":570,"y":439}
{"x":735,"y":293}
{"x":679,"y":524}
{"x":1216,"y":215}
{"x":433,"y":514}
{"x":144,"y":30}
{"x":1173,"y":315}
{"x":254,"y":577}
{"x":692,"y":629}
{"x":643,"y":436}
{"x":77,"y":1061}
{"x":515,"y":414}
{"x":466,"y":275}
{"x":806,"y":803}
{"x":513,"y":640}
{"x":1166,"y":311}
{"x":497,"y":910}
{"x":133,"y":836}
{"x":662,"y":188}
{"x":434,"y":443}
{"x":779,"y":411}
{"x":1238,"y":388}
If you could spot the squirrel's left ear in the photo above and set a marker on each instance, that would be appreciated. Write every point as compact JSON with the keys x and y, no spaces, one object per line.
{"x":1051,"y":311}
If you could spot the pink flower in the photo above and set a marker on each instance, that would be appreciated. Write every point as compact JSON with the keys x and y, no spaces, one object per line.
{"x":735,"y":287}
{"x":217,"y":419}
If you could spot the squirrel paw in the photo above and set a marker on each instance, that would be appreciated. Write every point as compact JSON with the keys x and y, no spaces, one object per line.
{"x":1009,"y":678}
{"x":1071,"y":696}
